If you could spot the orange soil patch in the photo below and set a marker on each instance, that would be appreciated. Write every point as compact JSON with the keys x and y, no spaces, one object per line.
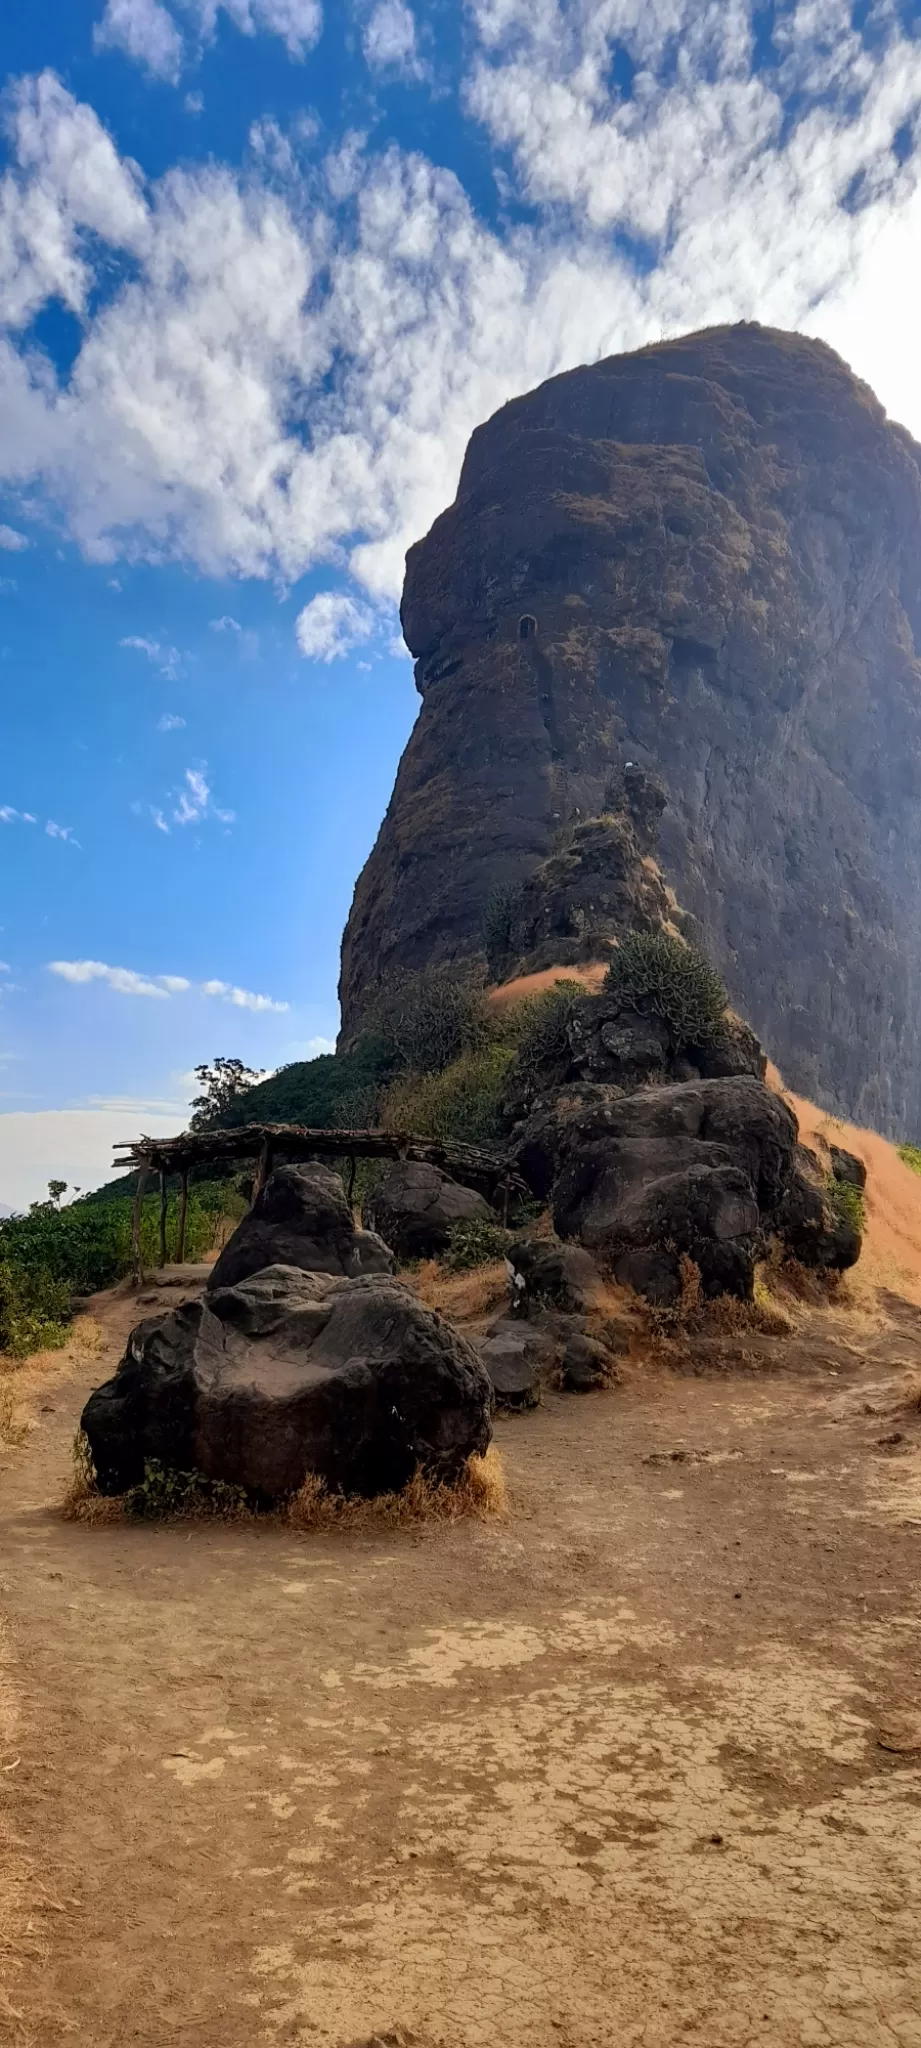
{"x":590,"y":976}
{"x":891,"y":1255}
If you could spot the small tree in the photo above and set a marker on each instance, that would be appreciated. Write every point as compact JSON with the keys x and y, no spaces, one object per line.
{"x":56,"y":1188}
{"x":220,"y":1084}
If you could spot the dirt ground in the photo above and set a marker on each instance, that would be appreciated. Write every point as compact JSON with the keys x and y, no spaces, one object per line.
{"x":640,"y":1764}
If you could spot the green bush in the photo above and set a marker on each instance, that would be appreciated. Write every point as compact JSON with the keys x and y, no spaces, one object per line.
{"x":422,"y":1023}
{"x":463,"y":1102}
{"x":475,"y":1243}
{"x":672,"y":979}
{"x":538,"y":1026}
{"x":33,"y":1310}
{"x":52,"y":1254}
{"x":846,"y":1203}
{"x":912,"y":1156}
{"x":164,"y":1492}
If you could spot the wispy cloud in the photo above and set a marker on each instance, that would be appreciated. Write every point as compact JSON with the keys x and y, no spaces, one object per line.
{"x":126,"y":981}
{"x":56,"y":831}
{"x":13,"y":540}
{"x":194,"y":800}
{"x":166,"y":659}
{"x":390,"y":43}
{"x":247,"y":641}
{"x":331,"y":625}
{"x":123,"y":980}
{"x":170,"y":722}
{"x":9,"y":816}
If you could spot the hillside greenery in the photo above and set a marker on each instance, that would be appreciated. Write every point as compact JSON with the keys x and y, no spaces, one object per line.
{"x":54,"y":1255}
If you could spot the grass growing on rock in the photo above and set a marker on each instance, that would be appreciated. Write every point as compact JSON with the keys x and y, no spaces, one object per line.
{"x":675,"y":980}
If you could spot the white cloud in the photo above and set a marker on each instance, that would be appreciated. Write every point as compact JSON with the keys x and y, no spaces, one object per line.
{"x":11,"y":539}
{"x":386,"y":315}
{"x":241,"y":998}
{"x":331,"y":624}
{"x":247,"y":641}
{"x":166,"y":659}
{"x":75,"y":1145}
{"x":315,"y":1046}
{"x":125,"y":981}
{"x":9,"y":816}
{"x":170,"y":722}
{"x":389,"y":40}
{"x":194,"y":102}
{"x":159,"y":820}
{"x":66,"y":832}
{"x":145,"y":32}
{"x":194,"y":801}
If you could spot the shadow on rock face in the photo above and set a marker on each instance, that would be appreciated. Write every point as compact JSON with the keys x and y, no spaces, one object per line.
{"x":290,"y":1373}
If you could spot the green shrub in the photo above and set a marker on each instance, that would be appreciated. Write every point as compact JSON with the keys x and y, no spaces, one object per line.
{"x":463,"y":1102}
{"x":33,"y":1310}
{"x":846,"y":1203}
{"x":52,"y":1254}
{"x":475,"y":1243}
{"x":672,"y":979}
{"x":163,"y":1493}
{"x":912,"y":1156}
{"x":422,"y":1023}
{"x":538,"y":1026}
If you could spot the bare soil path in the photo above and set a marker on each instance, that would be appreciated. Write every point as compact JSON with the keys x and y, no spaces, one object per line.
{"x":608,"y":1773}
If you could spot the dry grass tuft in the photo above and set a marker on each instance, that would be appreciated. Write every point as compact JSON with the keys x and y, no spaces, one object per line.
{"x":480,"y":1493}
{"x":13,"y":1430}
{"x":462,"y":1297}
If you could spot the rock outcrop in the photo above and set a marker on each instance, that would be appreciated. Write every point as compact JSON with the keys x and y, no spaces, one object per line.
{"x":301,"y":1218}
{"x":290,"y":1373}
{"x":413,"y":1208}
{"x":700,"y":562}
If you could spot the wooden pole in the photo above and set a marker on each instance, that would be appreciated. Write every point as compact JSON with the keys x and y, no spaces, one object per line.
{"x":263,"y":1169}
{"x":137,"y":1269}
{"x":351,"y":1186}
{"x":162,"y":1217}
{"x":183,"y":1207}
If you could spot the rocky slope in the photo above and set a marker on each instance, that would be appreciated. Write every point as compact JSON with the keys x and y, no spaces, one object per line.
{"x":703,"y":559}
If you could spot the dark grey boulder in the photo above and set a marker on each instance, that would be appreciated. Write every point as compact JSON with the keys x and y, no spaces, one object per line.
{"x":847,"y":1167}
{"x":301,"y":1218}
{"x":414,"y":1206}
{"x":586,"y":1365}
{"x":704,"y":1169}
{"x":547,"y":1274}
{"x":513,"y":1356}
{"x":290,"y":1373}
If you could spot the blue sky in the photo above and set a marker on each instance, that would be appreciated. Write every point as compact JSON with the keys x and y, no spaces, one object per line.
{"x":264,"y":265}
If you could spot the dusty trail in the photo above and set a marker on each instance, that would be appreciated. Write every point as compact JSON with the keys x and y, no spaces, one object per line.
{"x":607,"y":1773}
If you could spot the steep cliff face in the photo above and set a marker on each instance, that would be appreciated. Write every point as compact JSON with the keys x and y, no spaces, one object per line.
{"x":703,"y":559}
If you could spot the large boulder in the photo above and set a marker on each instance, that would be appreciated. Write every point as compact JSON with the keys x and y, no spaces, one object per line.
{"x":301,"y":1218}
{"x":703,"y":1169}
{"x":290,"y":1373}
{"x":414,"y":1207}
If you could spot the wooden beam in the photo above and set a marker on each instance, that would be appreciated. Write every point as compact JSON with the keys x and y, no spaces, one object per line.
{"x":183,"y":1211}
{"x":137,"y":1267}
{"x":162,"y":1217}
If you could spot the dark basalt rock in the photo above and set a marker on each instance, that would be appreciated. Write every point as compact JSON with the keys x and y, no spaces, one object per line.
{"x":548,"y":1274}
{"x":301,"y":1218}
{"x":848,"y":1168}
{"x":705,"y":1169}
{"x":290,"y":1373}
{"x":585,"y":1365}
{"x":514,"y":1355}
{"x":702,"y":559}
{"x":413,"y":1207}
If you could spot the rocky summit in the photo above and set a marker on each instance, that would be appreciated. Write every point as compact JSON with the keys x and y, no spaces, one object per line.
{"x":676,"y":604}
